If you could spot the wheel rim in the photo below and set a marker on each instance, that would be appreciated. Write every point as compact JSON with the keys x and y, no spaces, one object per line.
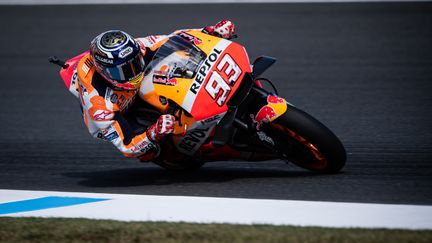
{"x":318,"y":160}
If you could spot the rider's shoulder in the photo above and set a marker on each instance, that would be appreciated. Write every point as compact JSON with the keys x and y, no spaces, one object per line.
{"x":85,"y":69}
{"x":89,"y":78}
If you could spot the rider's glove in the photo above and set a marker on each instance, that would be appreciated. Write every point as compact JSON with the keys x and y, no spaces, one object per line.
{"x":223,"y":29}
{"x":163,"y":126}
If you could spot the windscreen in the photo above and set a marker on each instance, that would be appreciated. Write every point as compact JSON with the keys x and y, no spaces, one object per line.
{"x":177,"y":58}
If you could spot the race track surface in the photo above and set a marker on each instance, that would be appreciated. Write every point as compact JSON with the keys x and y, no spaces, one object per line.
{"x":364,"y":70}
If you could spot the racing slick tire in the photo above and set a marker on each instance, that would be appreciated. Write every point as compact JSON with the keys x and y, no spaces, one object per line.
{"x":306,"y":142}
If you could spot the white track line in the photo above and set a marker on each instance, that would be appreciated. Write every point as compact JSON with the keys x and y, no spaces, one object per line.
{"x":229,"y":210}
{"x":75,"y":2}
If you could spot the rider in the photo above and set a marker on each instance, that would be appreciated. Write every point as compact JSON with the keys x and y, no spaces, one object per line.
{"x":109,"y":79}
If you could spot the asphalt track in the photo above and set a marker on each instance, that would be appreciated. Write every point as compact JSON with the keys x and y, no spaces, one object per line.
{"x":363,"y":69}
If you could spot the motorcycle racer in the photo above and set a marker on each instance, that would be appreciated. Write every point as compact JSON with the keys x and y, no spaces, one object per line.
{"x":109,"y":77}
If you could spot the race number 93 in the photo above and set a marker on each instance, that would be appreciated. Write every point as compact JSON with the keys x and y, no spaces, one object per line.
{"x":222,"y":79}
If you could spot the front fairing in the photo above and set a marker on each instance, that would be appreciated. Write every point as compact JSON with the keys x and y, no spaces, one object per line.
{"x":200,"y":73}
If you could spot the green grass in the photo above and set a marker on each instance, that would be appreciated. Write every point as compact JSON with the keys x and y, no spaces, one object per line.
{"x":84,"y":230}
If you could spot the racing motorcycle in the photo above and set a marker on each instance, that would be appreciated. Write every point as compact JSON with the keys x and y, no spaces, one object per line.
{"x":223,"y":111}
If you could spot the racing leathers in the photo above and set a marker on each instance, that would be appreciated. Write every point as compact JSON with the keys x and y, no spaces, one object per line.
{"x":103,"y":105}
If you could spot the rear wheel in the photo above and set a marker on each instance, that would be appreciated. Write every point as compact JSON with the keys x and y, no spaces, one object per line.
{"x":306,"y":142}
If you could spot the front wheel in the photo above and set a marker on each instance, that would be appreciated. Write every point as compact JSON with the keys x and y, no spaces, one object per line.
{"x":306,"y":142}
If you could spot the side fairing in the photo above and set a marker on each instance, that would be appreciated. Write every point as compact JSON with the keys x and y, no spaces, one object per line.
{"x":69,"y":74}
{"x":217,"y":80}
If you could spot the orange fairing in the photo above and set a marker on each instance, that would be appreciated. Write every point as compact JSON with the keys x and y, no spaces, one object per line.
{"x":153,"y":98}
{"x":220,"y":82}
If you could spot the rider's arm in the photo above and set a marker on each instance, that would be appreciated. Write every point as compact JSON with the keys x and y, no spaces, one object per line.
{"x":223,"y":29}
{"x":104,"y":120}
{"x":118,"y":131}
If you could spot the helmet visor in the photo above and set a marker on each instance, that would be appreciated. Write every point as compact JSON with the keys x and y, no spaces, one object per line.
{"x":127,"y":71}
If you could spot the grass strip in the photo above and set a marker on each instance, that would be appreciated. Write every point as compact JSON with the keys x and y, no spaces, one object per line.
{"x":86,"y":230}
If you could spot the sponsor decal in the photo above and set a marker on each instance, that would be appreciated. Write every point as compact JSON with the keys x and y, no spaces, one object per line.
{"x":159,"y":79}
{"x":74,"y":78}
{"x":126,"y":52}
{"x":191,"y":38}
{"x":103,"y":132}
{"x":103,"y":115}
{"x":111,"y":136}
{"x":171,"y":82}
{"x":201,"y":76}
{"x":104,"y":59}
{"x":227,"y":73}
{"x":193,"y":139}
{"x":125,"y":101}
{"x":74,"y":87}
{"x":263,"y":137}
{"x":143,"y":147}
{"x":114,"y":98}
{"x":275,"y":100}
{"x":212,"y":119}
{"x":264,"y":115}
{"x":203,"y":70}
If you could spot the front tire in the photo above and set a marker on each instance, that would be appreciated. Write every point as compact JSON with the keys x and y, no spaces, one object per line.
{"x":306,"y":142}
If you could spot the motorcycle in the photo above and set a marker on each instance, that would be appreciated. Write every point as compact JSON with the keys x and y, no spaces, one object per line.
{"x":222,"y":110}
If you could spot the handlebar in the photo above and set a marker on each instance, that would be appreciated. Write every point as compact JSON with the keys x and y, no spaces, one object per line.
{"x":57,"y":61}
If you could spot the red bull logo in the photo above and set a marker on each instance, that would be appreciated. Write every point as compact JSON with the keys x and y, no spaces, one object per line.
{"x":159,"y":79}
{"x":274,"y":108}
{"x":264,"y":115}
{"x":275,"y":100}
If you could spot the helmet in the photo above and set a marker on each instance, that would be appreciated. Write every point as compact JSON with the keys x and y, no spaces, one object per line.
{"x":118,"y":58}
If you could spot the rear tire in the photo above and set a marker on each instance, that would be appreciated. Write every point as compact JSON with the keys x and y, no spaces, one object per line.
{"x":306,"y":142}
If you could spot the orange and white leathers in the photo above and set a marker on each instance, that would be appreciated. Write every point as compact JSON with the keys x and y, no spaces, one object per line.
{"x":103,"y":106}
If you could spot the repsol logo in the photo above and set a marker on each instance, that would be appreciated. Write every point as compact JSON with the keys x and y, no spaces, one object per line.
{"x":202,"y":72}
{"x":194,"y":138}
